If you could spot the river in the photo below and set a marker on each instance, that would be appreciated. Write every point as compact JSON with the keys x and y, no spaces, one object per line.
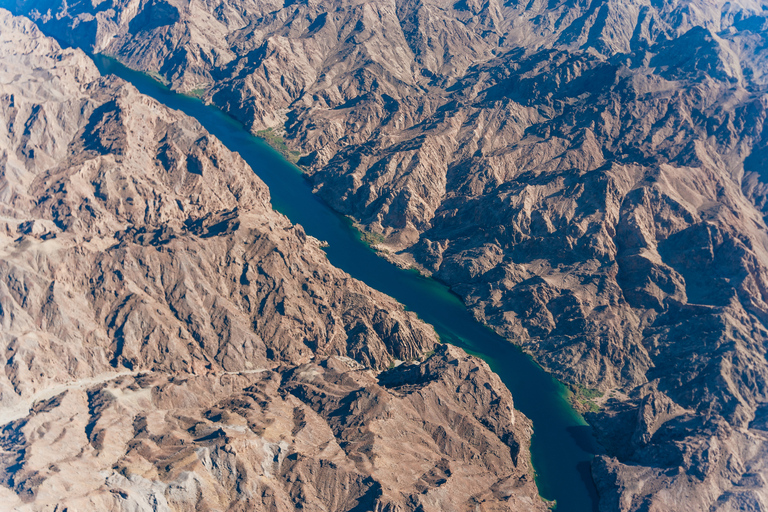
{"x":562,"y":446}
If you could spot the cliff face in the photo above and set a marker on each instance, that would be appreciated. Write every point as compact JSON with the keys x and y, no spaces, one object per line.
{"x":170,"y":342}
{"x":589,"y":176}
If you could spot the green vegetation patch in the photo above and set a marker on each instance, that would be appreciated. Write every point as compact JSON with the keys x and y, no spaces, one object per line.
{"x":583,"y":399}
{"x":277,"y":141}
{"x":196,"y":93}
{"x":371,"y":238}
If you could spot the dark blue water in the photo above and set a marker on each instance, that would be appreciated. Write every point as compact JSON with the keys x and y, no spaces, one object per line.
{"x":562,"y":446}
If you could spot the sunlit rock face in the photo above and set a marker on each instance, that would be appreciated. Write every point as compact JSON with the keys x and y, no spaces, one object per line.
{"x":169,"y":342}
{"x":589,"y":176}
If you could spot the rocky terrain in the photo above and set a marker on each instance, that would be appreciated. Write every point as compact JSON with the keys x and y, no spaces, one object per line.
{"x":589,"y":176}
{"x":169,"y":342}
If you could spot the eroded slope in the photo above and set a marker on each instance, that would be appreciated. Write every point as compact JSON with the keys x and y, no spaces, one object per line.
{"x":589,"y":176}
{"x":170,"y":342}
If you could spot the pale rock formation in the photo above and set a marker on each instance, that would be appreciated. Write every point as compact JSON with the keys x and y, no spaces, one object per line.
{"x":169,"y":342}
{"x":589,"y":176}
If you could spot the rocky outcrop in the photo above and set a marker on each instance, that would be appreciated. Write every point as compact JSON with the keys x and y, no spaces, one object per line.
{"x":169,"y":342}
{"x":590,"y":177}
{"x":324,"y":435}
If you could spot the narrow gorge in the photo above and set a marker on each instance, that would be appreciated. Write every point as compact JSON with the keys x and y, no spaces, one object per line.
{"x":172,"y":343}
{"x":588,"y":177}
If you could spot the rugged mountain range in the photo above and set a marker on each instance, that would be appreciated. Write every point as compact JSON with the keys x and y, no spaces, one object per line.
{"x":169,"y":342}
{"x":590,"y":176}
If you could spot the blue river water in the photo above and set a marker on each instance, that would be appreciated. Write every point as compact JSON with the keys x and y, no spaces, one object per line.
{"x":562,"y":446}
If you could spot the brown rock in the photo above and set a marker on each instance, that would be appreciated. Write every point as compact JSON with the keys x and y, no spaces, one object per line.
{"x":159,"y":320}
{"x":589,"y":176}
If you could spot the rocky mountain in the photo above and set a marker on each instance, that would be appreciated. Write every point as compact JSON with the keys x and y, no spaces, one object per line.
{"x":169,"y":342}
{"x":589,"y":176}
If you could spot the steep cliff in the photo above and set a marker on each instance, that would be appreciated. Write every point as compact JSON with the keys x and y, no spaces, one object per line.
{"x":589,"y":176}
{"x":170,"y":342}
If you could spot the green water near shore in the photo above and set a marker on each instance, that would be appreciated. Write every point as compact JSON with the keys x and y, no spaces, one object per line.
{"x":562,"y":446}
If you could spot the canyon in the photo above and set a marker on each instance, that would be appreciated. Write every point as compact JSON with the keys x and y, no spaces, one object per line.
{"x":171,"y":342}
{"x":590,"y":178}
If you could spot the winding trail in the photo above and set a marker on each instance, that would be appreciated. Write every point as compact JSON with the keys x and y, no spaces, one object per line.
{"x":22,"y":408}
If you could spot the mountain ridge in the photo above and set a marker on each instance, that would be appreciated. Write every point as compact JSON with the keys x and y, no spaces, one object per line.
{"x":588,"y":176}
{"x":170,"y":342}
